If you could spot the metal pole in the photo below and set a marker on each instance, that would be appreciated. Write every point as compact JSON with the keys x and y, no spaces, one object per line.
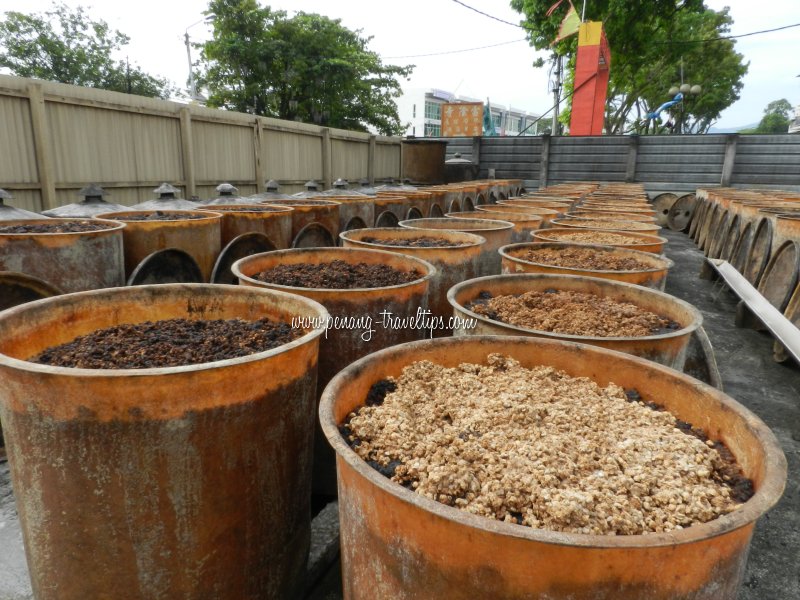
{"x":583,"y":12}
{"x":556,"y":96}
{"x":192,"y":88}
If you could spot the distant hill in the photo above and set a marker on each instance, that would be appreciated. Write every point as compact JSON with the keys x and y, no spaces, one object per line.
{"x":732,"y":129}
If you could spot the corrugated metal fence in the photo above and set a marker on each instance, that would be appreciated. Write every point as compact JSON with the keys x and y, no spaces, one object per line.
{"x":55,"y":138}
{"x":661,"y":163}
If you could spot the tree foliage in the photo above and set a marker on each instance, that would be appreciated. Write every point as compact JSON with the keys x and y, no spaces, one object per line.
{"x":776,"y":117}
{"x":67,"y":46}
{"x":307,"y":68}
{"x":773,"y":123}
{"x":780,"y":107}
{"x":648,"y":41}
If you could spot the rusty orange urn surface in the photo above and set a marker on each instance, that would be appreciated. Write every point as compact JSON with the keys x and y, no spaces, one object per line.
{"x":397,"y":544}
{"x":181,"y":482}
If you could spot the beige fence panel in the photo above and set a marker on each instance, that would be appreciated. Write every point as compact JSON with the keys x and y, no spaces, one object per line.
{"x":57,"y":138}
{"x":127,"y":153}
{"x":18,"y":152}
{"x":349,"y":158}
{"x":223,"y":153}
{"x":292,"y":157}
{"x":387,"y":159}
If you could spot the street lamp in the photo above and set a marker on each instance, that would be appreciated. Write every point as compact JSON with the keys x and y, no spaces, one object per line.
{"x":681,"y":94}
{"x":683,"y":90}
{"x":192,"y":86}
{"x":677,"y":93}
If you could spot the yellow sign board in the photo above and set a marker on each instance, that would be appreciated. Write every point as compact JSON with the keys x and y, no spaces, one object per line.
{"x":590,"y":33}
{"x":462,"y":119}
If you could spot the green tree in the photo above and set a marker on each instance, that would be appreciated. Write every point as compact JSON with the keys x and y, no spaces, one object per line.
{"x":307,"y":68}
{"x":773,"y":123}
{"x":67,"y":46}
{"x":649,"y":41}
{"x":779,"y":107}
{"x":776,"y":117}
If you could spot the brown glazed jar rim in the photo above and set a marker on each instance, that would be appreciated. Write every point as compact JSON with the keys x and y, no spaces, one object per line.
{"x":425,"y":232}
{"x":505,"y":252}
{"x":269,"y":209}
{"x":778,"y":211}
{"x":206,"y":215}
{"x":555,"y":199}
{"x":626,"y":215}
{"x":652,"y":228}
{"x":421,"y":192}
{"x":615,"y":208}
{"x":351,"y":199}
{"x":653,"y":238}
{"x":290,"y":289}
{"x":697,"y":320}
{"x":543,"y":208}
{"x":503,"y":225}
{"x":318,"y":202}
{"x":532,"y":209}
{"x":112,"y":226}
{"x":775,"y":468}
{"x":523,"y":200}
{"x":523,"y":216}
{"x":25,"y":365}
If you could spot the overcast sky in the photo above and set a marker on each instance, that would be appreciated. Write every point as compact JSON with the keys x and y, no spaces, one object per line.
{"x":411,"y":27}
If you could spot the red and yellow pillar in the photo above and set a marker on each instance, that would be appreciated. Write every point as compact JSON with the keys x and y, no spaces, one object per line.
{"x":592,"y":68}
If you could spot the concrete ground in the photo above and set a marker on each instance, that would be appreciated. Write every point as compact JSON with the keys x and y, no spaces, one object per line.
{"x":14,"y":582}
{"x":749,"y":375}
{"x":770,"y":390}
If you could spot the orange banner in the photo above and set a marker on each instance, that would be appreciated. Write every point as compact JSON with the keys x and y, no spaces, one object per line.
{"x":462,"y":119}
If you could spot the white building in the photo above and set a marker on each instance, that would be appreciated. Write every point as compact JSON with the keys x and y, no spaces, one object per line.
{"x":794,"y":124}
{"x":421,"y":108}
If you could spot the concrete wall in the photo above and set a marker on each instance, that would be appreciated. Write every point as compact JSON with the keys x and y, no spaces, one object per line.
{"x":661,"y":163}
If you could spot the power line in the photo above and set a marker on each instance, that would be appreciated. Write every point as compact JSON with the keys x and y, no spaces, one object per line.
{"x":456,"y":51}
{"x":572,"y":93}
{"x":566,"y":97}
{"x":717,"y":39}
{"x":729,"y":37}
{"x":698,"y":41}
{"x":480,"y":12}
{"x":764,"y":31}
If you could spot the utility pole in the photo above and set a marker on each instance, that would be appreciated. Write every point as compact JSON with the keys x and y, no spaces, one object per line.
{"x":680,"y":123}
{"x":192,"y":84}
{"x":192,"y":87}
{"x":556,"y":96}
